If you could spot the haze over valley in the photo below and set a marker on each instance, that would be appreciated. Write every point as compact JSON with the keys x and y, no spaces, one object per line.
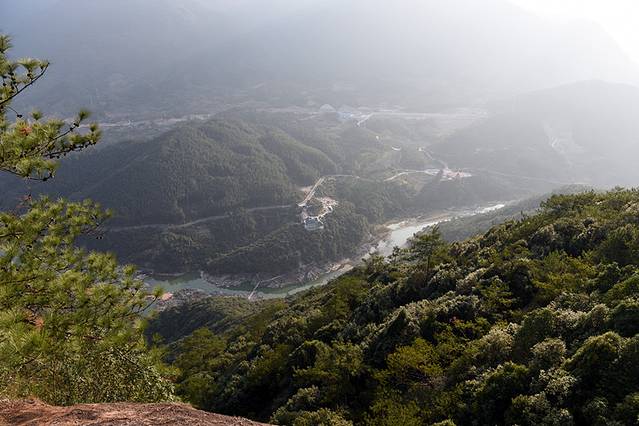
{"x":221,"y":114}
{"x":336,"y":212}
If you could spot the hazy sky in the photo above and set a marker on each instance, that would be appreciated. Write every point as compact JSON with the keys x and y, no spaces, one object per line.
{"x":620,"y":18}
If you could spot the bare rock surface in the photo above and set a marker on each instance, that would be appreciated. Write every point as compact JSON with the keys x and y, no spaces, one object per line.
{"x":32,"y":413}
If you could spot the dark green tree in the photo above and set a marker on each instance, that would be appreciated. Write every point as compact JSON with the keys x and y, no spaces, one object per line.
{"x":70,"y":323}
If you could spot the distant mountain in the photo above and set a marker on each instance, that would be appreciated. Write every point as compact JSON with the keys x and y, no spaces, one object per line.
{"x":586,"y":132}
{"x":458,"y":46}
{"x":137,"y":57}
{"x":114,"y":57}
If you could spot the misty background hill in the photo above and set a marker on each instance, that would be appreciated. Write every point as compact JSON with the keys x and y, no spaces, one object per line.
{"x":132,"y":58}
{"x":582,"y":132}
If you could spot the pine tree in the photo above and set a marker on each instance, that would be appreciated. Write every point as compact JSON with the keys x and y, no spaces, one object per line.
{"x":70,"y":320}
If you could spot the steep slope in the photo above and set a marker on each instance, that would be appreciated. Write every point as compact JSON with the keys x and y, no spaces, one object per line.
{"x":586,"y":132}
{"x":534,"y":322}
{"x":217,"y":314}
{"x":196,"y":193}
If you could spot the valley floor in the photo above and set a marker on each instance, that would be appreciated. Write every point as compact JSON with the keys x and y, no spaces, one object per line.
{"x":390,"y":235}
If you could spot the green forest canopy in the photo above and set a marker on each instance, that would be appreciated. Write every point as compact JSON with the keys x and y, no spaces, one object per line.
{"x":534,"y":322}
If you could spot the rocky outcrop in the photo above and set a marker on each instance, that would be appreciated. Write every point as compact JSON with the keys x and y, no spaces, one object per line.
{"x":31,"y":413}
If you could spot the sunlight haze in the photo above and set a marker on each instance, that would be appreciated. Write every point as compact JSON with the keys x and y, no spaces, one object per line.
{"x":618,"y":17}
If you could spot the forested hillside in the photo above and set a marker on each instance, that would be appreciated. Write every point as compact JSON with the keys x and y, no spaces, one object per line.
{"x":222,"y":195}
{"x":462,"y":228}
{"x":534,"y":322}
{"x":191,"y":172}
{"x":197,"y":192}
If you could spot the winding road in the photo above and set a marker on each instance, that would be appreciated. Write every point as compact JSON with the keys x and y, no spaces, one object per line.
{"x":410,"y":172}
{"x":319,"y":183}
{"x":311,"y":193}
{"x":167,"y":226}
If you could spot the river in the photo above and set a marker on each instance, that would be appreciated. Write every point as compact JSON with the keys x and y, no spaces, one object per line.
{"x":398,"y":235}
{"x":401,"y":232}
{"x":196,"y":281}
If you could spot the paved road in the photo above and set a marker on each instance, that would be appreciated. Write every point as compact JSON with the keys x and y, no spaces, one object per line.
{"x":311,"y":193}
{"x":166,"y":226}
{"x":320,"y":181}
{"x":410,"y":172}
